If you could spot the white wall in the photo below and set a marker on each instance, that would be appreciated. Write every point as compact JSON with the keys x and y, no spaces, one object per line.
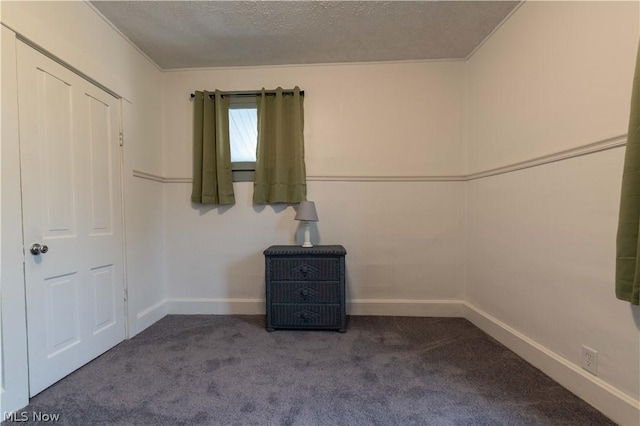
{"x":74,"y":33}
{"x":405,"y":240}
{"x":541,"y":244}
{"x":554,"y":77}
{"x":360,"y":120}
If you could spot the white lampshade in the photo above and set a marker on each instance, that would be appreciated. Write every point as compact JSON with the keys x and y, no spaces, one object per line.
{"x":307,"y":212}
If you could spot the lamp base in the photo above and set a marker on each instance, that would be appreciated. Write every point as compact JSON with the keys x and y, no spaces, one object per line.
{"x":307,"y":235}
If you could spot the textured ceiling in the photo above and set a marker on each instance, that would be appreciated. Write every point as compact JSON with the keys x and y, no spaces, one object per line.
{"x":193,"y":34}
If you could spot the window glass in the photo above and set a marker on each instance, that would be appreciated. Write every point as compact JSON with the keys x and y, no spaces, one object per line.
{"x":243,"y":133}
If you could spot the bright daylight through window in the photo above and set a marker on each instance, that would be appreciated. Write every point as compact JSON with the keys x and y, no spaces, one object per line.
{"x":243,"y":134}
{"x":243,"y":138}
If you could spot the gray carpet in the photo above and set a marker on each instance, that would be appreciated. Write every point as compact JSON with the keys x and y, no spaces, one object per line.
{"x":227,"y":370}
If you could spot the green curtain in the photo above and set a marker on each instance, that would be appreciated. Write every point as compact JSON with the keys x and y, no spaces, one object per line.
{"x":212,"y":178}
{"x":628,"y":243}
{"x":280,"y":171}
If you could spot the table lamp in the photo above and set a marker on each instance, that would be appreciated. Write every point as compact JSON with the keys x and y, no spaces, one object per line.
{"x":307,"y":213}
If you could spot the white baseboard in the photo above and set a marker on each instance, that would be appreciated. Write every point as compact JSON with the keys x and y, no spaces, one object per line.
{"x":150,"y":315}
{"x":381,"y":307}
{"x":406,"y":307}
{"x":613,"y":403}
{"x":215,"y":306}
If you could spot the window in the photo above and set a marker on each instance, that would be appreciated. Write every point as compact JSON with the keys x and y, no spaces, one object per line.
{"x":243,"y":137}
{"x":279,"y":176}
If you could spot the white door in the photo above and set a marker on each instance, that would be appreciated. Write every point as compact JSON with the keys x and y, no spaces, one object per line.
{"x":72,"y":204}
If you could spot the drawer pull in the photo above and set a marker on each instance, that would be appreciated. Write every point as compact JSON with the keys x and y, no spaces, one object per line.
{"x":304,"y":293}
{"x":304,"y":316}
{"x":304,"y":270}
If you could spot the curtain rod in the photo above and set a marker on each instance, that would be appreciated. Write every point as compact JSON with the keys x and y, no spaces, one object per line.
{"x":249,"y":93}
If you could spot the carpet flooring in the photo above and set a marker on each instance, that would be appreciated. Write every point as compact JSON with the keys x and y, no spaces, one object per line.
{"x":227,"y":370}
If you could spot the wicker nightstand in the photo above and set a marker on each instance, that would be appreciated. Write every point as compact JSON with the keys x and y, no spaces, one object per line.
{"x":305,"y":287}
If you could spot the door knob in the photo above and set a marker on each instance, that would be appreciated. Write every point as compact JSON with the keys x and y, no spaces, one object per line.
{"x":36,"y":249}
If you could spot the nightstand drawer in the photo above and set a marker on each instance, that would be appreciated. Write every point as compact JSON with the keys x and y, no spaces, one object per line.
{"x":305,"y":292}
{"x":300,"y":269}
{"x":303,"y":316}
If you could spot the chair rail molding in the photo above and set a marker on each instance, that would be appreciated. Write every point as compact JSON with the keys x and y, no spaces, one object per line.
{"x":585,"y":149}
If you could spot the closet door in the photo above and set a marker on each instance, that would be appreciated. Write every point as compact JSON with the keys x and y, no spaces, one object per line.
{"x":72,"y":218}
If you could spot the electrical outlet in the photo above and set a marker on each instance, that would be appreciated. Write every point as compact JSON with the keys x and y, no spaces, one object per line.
{"x":590,"y":360}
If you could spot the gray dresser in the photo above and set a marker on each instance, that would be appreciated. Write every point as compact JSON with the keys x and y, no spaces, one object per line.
{"x":305,"y":287}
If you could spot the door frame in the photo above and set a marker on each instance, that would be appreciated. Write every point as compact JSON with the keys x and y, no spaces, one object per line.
{"x":14,"y":383}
